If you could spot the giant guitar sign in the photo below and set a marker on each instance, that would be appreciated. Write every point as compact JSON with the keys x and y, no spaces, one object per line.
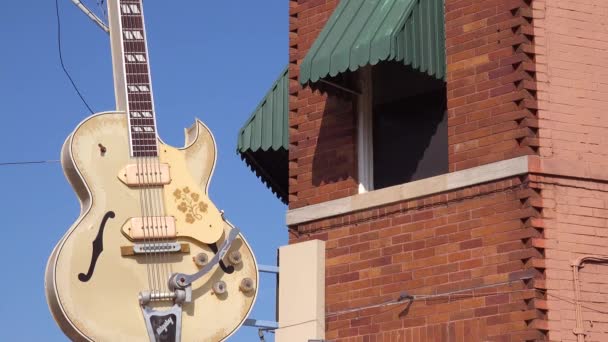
{"x":150,"y":257}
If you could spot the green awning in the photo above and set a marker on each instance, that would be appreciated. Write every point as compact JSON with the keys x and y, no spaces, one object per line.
{"x":362,"y":32}
{"x":264,"y":139}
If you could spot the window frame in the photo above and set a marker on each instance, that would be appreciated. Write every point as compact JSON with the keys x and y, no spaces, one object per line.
{"x":365,"y":138}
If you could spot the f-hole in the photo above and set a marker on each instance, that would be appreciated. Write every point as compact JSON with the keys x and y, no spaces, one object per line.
{"x":97,"y":248}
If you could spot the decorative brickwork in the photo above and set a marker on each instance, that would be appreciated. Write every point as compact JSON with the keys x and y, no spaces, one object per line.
{"x":492,"y":111}
{"x":575,"y":224}
{"x":322,"y":150}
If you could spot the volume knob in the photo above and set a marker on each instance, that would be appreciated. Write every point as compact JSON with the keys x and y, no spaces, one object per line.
{"x":247,"y":285}
{"x":235,"y":258}
{"x":219,"y":287}
{"x":201,"y":259}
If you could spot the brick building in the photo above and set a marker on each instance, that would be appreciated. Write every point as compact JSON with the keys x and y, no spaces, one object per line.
{"x":453,"y":151}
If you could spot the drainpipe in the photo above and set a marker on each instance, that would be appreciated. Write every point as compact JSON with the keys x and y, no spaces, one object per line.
{"x":577,"y":264}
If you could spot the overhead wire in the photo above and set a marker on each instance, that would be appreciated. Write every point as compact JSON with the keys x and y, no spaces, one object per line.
{"x":61,"y":58}
{"x":29,"y":162}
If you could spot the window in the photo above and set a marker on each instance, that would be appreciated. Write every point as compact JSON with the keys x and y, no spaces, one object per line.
{"x":402,"y":126}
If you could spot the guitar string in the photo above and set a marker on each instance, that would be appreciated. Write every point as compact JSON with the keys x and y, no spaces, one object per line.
{"x":153,"y":172}
{"x":151,"y":216}
{"x":145,"y":230}
{"x":163,"y":226}
{"x":154,"y":219}
{"x":158,"y":208}
{"x":132,"y":121}
{"x":161,"y":219}
{"x":148,"y":215}
{"x":132,"y":136}
{"x":140,"y":160}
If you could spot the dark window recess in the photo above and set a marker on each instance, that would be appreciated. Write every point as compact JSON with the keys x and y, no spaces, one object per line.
{"x":410,"y":137}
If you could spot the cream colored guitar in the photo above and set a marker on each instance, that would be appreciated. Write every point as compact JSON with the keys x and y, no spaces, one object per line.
{"x":150,"y":257}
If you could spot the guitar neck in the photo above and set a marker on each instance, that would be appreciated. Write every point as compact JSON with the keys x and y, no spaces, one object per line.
{"x":132,"y":74}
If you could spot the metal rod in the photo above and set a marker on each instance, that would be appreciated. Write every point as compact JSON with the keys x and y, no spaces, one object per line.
{"x":268,"y":269}
{"x":270,"y":325}
{"x":339,"y":87}
{"x":92,"y":16}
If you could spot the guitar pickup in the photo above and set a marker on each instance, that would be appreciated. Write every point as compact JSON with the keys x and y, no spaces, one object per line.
{"x":150,"y":228}
{"x":145,"y":174}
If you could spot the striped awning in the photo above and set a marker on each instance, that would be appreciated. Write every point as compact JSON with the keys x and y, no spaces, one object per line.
{"x":362,"y":32}
{"x":263,"y":140}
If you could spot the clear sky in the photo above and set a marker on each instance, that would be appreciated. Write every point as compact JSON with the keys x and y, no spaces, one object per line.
{"x":210,"y":59}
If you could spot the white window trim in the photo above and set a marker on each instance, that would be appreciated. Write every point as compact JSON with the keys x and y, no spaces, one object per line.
{"x":365,"y":151}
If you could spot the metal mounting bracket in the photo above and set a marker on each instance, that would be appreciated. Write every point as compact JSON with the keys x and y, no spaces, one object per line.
{"x":91,"y":15}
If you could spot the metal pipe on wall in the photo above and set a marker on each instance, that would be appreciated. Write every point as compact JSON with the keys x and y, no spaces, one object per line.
{"x":577,"y":264}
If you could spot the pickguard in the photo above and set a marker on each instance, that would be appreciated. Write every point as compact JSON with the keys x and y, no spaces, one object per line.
{"x":97,"y":248}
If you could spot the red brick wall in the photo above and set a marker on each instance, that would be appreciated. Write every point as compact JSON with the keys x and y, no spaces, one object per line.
{"x":572,"y":85}
{"x":575,"y":224}
{"x":572,"y":73}
{"x":490,"y":81}
{"x":322,"y":131}
{"x":476,"y":237}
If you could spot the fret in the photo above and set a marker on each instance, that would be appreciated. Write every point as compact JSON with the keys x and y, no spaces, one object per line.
{"x":136,"y":68}
{"x":142,"y":121}
{"x":138,"y":78}
{"x":140,"y":99}
{"x":145,"y":148}
{"x":145,"y":141}
{"x":132,"y":22}
{"x":134,"y":46}
{"x":141,"y":106}
{"x":143,"y":135}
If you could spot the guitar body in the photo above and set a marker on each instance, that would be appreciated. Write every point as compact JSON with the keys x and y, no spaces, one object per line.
{"x":96,"y":298}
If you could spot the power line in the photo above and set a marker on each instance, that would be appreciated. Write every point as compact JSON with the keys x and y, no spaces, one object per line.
{"x":61,"y":58}
{"x":30,"y":162}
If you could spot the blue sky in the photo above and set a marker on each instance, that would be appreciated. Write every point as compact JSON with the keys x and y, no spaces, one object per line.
{"x":210,"y":59}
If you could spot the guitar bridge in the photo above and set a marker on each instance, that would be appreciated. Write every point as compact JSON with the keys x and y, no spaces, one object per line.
{"x":154,"y":247}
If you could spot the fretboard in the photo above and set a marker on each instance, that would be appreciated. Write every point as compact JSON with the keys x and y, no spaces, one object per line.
{"x":140,"y":105}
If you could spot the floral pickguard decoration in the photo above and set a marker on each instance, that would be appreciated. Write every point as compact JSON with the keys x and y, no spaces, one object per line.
{"x":189,"y":204}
